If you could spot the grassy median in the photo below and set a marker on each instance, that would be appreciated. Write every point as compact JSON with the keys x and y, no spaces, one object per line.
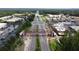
{"x":38,"y":48}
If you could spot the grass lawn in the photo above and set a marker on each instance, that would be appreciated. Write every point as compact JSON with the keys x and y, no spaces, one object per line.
{"x":52,"y":44}
{"x":38,"y":48}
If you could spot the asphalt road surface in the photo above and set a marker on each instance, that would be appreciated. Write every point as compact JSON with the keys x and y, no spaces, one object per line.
{"x":30,"y":43}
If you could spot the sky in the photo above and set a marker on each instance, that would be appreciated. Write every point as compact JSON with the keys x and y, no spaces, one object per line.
{"x":39,"y":3}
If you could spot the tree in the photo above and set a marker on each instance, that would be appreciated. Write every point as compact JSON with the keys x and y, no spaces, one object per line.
{"x":69,"y":42}
{"x":31,"y":17}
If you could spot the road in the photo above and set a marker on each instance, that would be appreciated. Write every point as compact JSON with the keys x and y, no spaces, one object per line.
{"x":30,"y":43}
{"x":41,"y":27}
{"x":43,"y":39}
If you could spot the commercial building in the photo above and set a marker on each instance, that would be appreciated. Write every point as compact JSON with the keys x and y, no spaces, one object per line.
{"x":6,"y":17}
{"x":76,"y":28}
{"x":60,"y":28}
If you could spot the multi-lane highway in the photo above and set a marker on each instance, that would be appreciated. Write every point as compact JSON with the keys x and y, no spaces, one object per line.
{"x":30,"y":42}
{"x":42,"y":35}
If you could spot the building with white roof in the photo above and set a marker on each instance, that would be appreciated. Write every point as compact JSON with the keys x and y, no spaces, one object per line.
{"x":14,"y":19}
{"x":11,"y":18}
{"x":76,"y":28}
{"x":63,"y":26}
{"x":2,"y":25}
{"x":59,"y":26}
{"x":6,"y":17}
{"x":60,"y":17}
